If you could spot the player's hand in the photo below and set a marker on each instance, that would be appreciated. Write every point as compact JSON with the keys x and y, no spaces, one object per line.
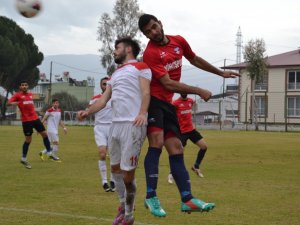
{"x":140,"y":120}
{"x":65,"y":130}
{"x":205,"y":94}
{"x":230,"y":74}
{"x":81,"y":115}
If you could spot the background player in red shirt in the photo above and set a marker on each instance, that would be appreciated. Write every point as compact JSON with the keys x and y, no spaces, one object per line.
{"x":163,"y":55}
{"x":30,"y":120}
{"x":184,"y":107}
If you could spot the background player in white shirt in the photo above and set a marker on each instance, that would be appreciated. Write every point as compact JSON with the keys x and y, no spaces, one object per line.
{"x":101,"y":131}
{"x":53,"y":118}
{"x":129,"y":90}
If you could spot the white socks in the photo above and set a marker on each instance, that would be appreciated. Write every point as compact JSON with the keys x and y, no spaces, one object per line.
{"x":120,"y":187}
{"x":102,"y":170}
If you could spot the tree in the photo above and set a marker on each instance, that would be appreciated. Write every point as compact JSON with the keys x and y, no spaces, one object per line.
{"x":257,"y":68}
{"x":67,"y":102}
{"x":123,"y":24}
{"x":19,"y":58}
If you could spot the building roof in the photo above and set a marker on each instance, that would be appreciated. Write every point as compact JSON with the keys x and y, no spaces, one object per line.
{"x":207,"y":113}
{"x":286,"y":59}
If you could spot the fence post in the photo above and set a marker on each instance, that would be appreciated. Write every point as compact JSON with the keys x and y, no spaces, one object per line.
{"x":220,"y":115}
{"x":246,"y":111}
{"x":266,"y":113}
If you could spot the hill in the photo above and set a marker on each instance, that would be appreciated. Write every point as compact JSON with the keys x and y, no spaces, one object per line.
{"x":83,"y":66}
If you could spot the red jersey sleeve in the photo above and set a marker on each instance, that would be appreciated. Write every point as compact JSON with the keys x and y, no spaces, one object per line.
{"x":187,"y":50}
{"x":14,"y":98}
{"x":152,"y":59}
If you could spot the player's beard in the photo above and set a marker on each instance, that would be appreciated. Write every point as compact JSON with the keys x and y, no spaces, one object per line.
{"x":159,"y":38}
{"x":120,"y":58}
{"x":24,"y":90}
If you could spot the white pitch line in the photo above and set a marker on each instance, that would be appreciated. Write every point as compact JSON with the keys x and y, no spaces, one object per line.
{"x":33,"y":211}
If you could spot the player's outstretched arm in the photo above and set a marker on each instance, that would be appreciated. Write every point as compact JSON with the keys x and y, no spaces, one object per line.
{"x":97,"y":106}
{"x":204,"y":65}
{"x":44,"y":118}
{"x":179,"y":87}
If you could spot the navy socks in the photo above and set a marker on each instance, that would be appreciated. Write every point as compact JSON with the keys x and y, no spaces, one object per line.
{"x":47,"y":144}
{"x":25,"y":149}
{"x":181,"y":177}
{"x":200,"y":156}
{"x":151,"y":170}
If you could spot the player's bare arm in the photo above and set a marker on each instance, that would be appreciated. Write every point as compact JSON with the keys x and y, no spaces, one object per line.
{"x":62,"y":124}
{"x":179,"y":87}
{"x":141,"y":118}
{"x":45,"y":118}
{"x":204,"y":65}
{"x":12,"y":103}
{"x":97,"y":106}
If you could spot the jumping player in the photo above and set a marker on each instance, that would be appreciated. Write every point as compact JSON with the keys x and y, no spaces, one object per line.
{"x":30,"y":120}
{"x":129,"y":90}
{"x":163,"y":55}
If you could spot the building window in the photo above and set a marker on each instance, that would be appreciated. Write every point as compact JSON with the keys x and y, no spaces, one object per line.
{"x":293,"y":106}
{"x":260,"y":102}
{"x":39,"y":105}
{"x":293,"y":80}
{"x":231,"y":113}
{"x":262,"y":85}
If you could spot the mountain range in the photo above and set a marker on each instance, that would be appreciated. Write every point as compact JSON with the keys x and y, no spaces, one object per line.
{"x":80,"y":67}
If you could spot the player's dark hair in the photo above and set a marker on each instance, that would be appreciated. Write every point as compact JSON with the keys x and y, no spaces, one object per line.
{"x":128,"y":41}
{"x":23,"y":81}
{"x":104,"y":78}
{"x":145,"y":19}
{"x":54,"y":100}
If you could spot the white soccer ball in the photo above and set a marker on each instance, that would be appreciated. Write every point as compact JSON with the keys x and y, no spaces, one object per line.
{"x":29,"y":8}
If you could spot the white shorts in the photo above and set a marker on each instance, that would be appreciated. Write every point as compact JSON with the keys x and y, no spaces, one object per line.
{"x":101,"y":134}
{"x":53,"y":137}
{"x":126,"y":141}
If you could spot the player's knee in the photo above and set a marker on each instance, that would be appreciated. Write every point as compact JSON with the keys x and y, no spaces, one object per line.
{"x":156,"y":139}
{"x":115,"y":168}
{"x":102,"y":156}
{"x":204,"y":146}
{"x":28,"y":139}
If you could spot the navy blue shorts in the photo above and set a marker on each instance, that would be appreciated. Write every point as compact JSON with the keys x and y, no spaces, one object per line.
{"x":162,"y":115}
{"x":29,"y":125}
{"x":193,"y":135}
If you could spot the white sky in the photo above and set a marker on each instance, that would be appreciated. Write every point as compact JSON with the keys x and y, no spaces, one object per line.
{"x":70,"y":26}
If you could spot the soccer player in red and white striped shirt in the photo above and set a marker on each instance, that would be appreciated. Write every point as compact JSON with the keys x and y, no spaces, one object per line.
{"x":129,"y":91}
{"x":101,"y":131}
{"x":53,"y":118}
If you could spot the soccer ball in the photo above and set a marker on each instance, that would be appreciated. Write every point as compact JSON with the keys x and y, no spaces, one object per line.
{"x":29,"y":8}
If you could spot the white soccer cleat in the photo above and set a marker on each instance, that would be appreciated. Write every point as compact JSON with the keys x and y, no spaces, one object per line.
{"x":170,"y":179}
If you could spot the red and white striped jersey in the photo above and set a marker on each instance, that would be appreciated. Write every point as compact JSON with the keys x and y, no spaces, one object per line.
{"x":54,"y":117}
{"x":104,"y":115}
{"x":126,"y":92}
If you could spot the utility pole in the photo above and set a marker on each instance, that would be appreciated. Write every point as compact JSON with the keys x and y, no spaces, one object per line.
{"x":224,"y":79}
{"x":238,"y":45}
{"x":50,"y":84}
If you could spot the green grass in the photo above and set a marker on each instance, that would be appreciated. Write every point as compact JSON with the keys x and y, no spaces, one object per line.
{"x":253,"y":177}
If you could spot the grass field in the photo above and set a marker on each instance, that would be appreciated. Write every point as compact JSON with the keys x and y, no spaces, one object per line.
{"x":253,"y":177}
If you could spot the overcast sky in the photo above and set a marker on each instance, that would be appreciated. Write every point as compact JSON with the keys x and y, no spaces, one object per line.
{"x":70,"y":26}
